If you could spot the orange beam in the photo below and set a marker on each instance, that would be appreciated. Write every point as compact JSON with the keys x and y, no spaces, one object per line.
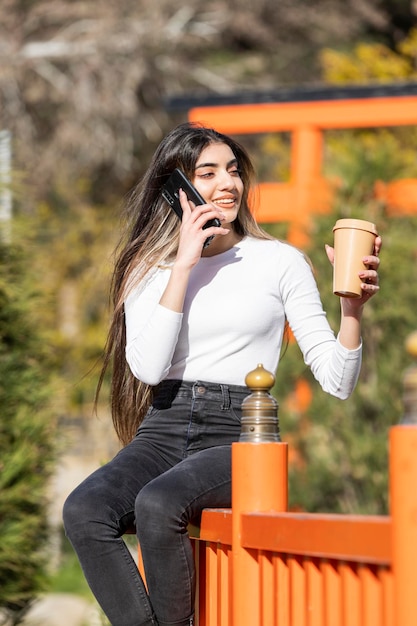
{"x":327,"y":114}
{"x":351,"y":537}
{"x":276,"y":202}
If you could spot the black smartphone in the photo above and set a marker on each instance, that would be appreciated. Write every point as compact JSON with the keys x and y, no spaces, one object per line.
{"x":170,"y":193}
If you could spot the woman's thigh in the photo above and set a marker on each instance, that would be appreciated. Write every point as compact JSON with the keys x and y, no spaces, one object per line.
{"x":202,"y":480}
{"x":185,"y":436}
{"x":108,"y":495}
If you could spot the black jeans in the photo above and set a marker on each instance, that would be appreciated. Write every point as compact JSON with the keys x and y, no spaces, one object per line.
{"x":178,"y":464}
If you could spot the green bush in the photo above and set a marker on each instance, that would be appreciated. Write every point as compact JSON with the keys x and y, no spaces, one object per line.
{"x":26,"y":441}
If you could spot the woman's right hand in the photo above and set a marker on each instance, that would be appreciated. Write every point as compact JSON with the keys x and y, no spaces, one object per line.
{"x":192,"y":238}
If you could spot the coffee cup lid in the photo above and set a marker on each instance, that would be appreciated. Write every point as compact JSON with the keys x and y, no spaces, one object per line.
{"x":356,"y":223}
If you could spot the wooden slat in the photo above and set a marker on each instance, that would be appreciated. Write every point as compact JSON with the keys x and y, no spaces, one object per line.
{"x":371,"y":596}
{"x":201,"y":587}
{"x":351,"y":594}
{"x":266,"y":580}
{"x":332,"y":587}
{"x":386,"y":577}
{"x":224,"y":592}
{"x":298,"y":591}
{"x":315,"y":593}
{"x":211,"y":585}
{"x":282,"y":590}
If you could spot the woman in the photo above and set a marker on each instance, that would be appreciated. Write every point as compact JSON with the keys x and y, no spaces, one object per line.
{"x":189,"y":324}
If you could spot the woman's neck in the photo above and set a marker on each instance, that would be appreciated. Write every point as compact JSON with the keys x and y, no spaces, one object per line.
{"x":222,"y":243}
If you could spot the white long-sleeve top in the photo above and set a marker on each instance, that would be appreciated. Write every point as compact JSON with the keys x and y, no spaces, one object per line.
{"x":233,"y":318}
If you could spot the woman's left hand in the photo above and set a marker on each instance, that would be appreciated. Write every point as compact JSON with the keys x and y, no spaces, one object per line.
{"x":368,"y":276}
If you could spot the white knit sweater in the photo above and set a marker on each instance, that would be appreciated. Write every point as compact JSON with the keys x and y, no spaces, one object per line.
{"x":233,"y":318}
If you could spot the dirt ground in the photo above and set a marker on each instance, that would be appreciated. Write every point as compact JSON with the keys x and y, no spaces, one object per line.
{"x":62,"y":609}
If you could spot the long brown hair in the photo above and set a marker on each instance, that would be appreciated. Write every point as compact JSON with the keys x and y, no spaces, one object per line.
{"x":152,"y":240}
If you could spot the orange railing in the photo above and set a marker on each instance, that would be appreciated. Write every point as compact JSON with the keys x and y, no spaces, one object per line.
{"x":261,"y":566}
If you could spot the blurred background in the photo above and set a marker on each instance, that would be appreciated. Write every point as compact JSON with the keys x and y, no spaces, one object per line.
{"x":87,"y":91}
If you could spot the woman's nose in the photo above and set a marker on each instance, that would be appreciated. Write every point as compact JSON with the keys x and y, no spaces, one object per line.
{"x":227,"y":181}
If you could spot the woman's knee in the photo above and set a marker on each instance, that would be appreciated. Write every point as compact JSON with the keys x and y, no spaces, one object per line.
{"x":84,"y":510}
{"x":158,"y":513}
{"x":74,"y":511}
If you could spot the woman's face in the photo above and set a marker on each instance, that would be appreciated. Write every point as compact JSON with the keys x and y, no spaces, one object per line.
{"x":217,"y":178}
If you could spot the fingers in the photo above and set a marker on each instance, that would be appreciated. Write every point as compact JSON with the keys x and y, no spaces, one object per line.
{"x":193,"y":235}
{"x":330,"y":253}
{"x":377,"y":246}
{"x":372,"y":263}
{"x":369,"y":277}
{"x":185,"y":203}
{"x":203,"y":211}
{"x":370,"y":281}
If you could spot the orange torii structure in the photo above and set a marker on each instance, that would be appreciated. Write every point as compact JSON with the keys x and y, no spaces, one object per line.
{"x":306,"y":114}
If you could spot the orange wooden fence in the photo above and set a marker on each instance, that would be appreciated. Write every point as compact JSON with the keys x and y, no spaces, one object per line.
{"x":261,"y":566}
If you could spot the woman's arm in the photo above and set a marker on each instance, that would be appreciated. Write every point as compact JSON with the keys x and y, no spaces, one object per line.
{"x":334,"y":362}
{"x":192,"y":237}
{"x":352,"y":308}
{"x":153,"y":313}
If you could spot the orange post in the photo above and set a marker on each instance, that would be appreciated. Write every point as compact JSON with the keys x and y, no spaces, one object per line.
{"x":259,"y":483}
{"x":403,"y":491}
{"x":306,"y":161}
{"x":260,"y":473}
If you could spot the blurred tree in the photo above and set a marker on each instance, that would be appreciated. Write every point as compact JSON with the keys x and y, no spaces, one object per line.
{"x":82,"y":89}
{"x":71,"y":241}
{"x":370,"y":62}
{"x":83,"y":83}
{"x":26,"y":442}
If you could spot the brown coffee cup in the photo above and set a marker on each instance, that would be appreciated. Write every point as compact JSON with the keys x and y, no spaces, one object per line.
{"x":353,"y":240}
